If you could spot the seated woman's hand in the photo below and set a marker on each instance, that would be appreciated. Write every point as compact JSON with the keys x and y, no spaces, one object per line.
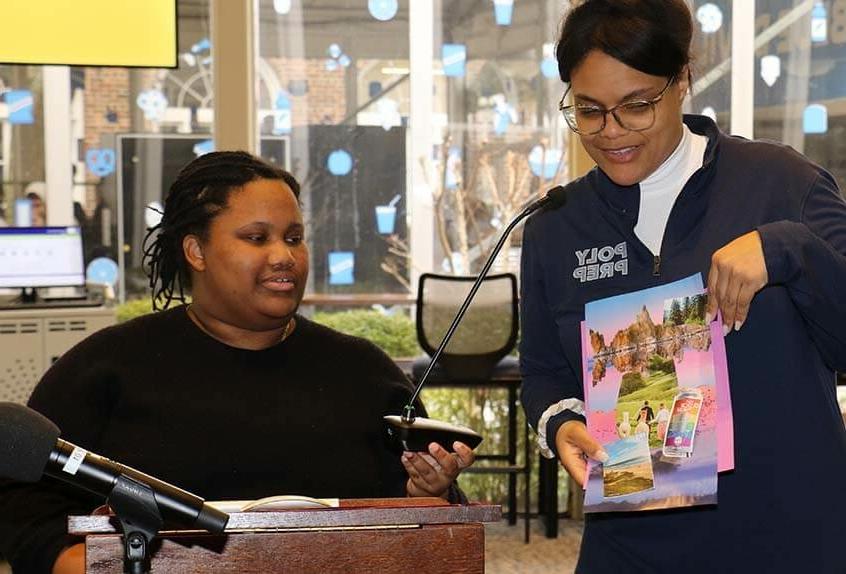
{"x":431,"y":474}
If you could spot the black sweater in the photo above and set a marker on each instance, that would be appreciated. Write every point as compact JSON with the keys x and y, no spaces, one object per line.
{"x":158,"y":394}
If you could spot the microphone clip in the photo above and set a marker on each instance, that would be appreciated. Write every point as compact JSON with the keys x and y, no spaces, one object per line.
{"x":408,"y":414}
{"x":134,"y":504}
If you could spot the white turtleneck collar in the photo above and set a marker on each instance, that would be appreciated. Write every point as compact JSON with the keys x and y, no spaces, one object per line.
{"x":659,"y":191}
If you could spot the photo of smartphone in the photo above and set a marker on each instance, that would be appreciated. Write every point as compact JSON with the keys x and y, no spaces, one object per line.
{"x":684,"y":418}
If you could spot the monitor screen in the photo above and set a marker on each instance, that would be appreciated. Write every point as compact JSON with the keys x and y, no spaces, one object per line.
{"x":41,"y":257}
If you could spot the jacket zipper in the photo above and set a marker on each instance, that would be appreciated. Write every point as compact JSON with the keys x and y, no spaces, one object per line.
{"x":656,"y":265}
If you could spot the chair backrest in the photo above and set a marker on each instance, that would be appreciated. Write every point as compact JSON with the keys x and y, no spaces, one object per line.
{"x":488,"y":331}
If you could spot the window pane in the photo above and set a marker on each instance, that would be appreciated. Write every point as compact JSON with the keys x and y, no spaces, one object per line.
{"x":800,"y":95}
{"x":333,"y":106}
{"x":156,"y":121}
{"x":711,"y":68}
{"x":500,"y":139}
{"x":21,"y":139}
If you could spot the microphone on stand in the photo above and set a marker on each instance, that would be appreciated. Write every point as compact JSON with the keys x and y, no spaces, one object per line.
{"x":416,"y":433}
{"x":30,"y":448}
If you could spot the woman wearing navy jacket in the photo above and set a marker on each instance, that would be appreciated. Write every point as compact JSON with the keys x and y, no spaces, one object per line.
{"x":672,"y":196}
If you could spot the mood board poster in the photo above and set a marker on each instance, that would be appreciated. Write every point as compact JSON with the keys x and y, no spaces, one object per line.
{"x":656,"y":398}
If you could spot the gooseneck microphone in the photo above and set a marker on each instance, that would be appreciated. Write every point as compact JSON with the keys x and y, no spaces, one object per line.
{"x":30,"y":448}
{"x":415,"y":433}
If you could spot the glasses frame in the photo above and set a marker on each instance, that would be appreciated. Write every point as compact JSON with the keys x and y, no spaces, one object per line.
{"x":567,"y":111}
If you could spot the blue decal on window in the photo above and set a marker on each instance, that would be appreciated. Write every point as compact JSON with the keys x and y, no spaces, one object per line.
{"x":341,"y":267}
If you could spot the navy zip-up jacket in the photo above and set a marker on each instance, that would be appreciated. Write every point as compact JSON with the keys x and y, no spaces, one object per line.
{"x":781,"y":508}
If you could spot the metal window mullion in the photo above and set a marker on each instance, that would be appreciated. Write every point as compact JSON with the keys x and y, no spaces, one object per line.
{"x":743,"y":68}
{"x":419,"y":156}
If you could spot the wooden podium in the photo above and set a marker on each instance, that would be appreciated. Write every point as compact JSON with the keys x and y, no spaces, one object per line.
{"x":374,"y":535}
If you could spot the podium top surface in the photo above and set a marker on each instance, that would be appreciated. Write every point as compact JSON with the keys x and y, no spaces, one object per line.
{"x":351,"y":513}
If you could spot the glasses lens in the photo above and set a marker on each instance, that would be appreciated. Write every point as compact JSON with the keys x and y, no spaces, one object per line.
{"x":636,"y":116}
{"x":588,"y":119}
{"x":570,"y":117}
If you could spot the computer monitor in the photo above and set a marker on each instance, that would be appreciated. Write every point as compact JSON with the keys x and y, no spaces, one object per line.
{"x":33,"y":257}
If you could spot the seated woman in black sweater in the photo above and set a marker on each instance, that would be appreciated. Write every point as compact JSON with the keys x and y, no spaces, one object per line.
{"x":233,"y":396}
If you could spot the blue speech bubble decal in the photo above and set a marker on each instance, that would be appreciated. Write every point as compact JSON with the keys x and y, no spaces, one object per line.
{"x":819,"y":23}
{"x":710,"y":17}
{"x":337,"y":58}
{"x":102,"y":271}
{"x":20,"y":104}
{"x":452,"y":177}
{"x":549,"y":68}
{"x":153,"y":103}
{"x":503,"y":11}
{"x":453,"y":57}
{"x":282,"y":7}
{"x":388,"y":111}
{"x":815,"y":119}
{"x":339,"y":162}
{"x":549,"y":63}
{"x":504,"y":114}
{"x":203,"y":147}
{"x":341,"y":268}
{"x":282,"y":119}
{"x":383,"y":10}
{"x":203,"y":45}
{"x":544,"y":161}
{"x":100,"y":162}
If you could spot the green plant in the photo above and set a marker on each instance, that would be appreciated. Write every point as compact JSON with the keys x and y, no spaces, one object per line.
{"x":657,"y":363}
{"x":394,"y":334}
{"x":133,"y":308}
{"x":631,"y":382}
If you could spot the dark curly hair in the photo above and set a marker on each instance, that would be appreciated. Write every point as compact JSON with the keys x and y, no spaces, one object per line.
{"x":652,"y":36}
{"x":200,"y":192}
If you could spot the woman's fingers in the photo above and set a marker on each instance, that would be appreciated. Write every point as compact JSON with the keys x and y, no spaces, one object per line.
{"x":575,"y":445}
{"x":738,"y":272}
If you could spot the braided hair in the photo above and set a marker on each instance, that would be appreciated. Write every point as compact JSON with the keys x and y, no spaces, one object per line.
{"x":200,"y":192}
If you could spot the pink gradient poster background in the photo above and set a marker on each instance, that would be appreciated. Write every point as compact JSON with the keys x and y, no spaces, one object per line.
{"x":701,"y":366}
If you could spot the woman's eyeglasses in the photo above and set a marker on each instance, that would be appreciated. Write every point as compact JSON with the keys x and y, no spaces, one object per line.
{"x":636,"y":116}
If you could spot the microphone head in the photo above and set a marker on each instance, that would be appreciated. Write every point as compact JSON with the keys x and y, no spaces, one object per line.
{"x":26,"y":440}
{"x":212,"y":519}
{"x":557,"y":197}
{"x":416,"y":435}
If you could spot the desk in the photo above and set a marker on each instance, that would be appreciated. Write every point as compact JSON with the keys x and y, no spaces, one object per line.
{"x":547,"y":469}
{"x":361,"y":536}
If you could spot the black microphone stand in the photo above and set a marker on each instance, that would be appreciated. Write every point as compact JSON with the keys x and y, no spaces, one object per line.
{"x":554,"y":197}
{"x":134,"y":504}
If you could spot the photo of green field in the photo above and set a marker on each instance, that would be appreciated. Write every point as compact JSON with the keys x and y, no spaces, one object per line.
{"x":656,"y":386}
{"x":629,"y":467}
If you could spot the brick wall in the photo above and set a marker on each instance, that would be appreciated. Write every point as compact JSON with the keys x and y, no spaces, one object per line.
{"x":325,"y":101}
{"x":106,"y":90}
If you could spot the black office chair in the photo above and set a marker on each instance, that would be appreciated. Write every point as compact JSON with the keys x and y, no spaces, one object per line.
{"x":477,"y":356}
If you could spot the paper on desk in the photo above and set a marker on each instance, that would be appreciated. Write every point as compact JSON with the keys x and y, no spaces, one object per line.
{"x":274,"y":503}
